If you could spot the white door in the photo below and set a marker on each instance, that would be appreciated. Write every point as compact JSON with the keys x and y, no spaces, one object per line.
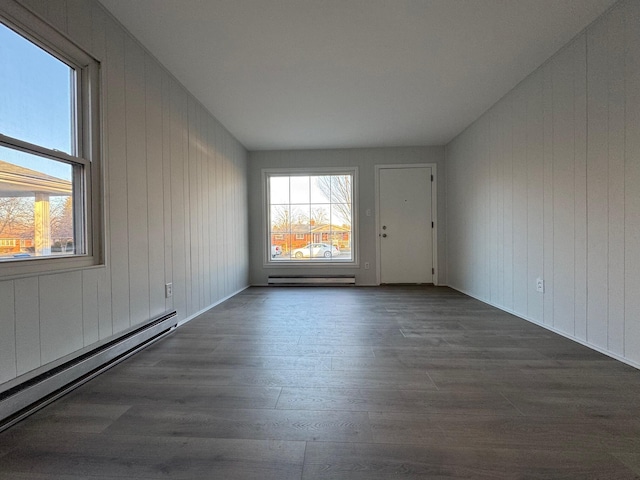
{"x":406,"y":233}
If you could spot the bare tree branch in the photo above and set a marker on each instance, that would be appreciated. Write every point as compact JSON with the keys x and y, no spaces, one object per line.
{"x":337,"y":188}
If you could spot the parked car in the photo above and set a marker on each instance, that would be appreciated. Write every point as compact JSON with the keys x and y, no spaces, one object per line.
{"x":316,"y":250}
{"x":276,"y":251}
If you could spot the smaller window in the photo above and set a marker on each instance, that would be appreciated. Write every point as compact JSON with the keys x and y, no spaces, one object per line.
{"x":299,"y":236}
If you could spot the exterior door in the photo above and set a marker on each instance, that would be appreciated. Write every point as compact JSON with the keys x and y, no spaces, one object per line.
{"x":406,"y":233}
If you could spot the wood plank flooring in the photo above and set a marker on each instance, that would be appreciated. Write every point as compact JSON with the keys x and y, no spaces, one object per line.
{"x":343,"y":383}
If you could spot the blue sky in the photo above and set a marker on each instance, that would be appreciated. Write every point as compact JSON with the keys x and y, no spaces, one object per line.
{"x":35,"y":102}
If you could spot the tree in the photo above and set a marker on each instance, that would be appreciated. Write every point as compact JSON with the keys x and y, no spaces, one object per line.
{"x":319,"y":216}
{"x":280,"y":218}
{"x":337,"y":188}
{"x":16,"y":216}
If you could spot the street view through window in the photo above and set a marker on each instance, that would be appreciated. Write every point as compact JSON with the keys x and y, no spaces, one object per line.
{"x":310,"y":218}
{"x":37,"y":145}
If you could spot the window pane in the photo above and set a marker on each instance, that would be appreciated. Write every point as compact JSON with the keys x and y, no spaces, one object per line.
{"x":279,"y":190}
{"x":280,"y":218}
{"x":320,"y":189}
{"x":280,"y":245}
{"x":341,"y":214}
{"x":320,"y":216}
{"x":36,"y":92}
{"x":299,"y":189}
{"x":300,"y":216}
{"x":36,"y":206}
{"x":340,"y":189}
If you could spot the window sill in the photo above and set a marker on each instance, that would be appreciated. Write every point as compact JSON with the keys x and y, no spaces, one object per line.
{"x":12,"y":270}
{"x":311,"y":264}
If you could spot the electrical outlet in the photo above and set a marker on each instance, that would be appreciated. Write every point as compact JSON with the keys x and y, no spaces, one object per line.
{"x":366,"y":265}
{"x":540,"y":285}
{"x":168,"y":290}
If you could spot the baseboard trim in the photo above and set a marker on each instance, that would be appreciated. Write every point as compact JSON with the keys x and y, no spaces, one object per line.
{"x":31,"y":395}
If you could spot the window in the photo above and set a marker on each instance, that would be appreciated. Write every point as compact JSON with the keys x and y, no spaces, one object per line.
{"x":310,"y":216}
{"x":49,"y":163}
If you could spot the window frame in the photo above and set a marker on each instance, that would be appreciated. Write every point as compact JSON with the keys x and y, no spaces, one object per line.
{"x":268,"y":261}
{"x":87,"y":182}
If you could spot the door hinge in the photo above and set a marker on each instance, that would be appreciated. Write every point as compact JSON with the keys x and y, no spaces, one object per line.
{"x":432,"y":178}
{"x":431,"y":224}
{"x":433,"y":271}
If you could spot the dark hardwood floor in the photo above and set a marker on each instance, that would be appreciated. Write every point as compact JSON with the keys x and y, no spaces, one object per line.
{"x":343,"y":383}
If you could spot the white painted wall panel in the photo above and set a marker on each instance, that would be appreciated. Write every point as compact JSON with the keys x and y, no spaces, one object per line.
{"x":159,"y":173}
{"x":116,"y":163}
{"x":155,"y":186}
{"x":580,"y":186}
{"x":519,"y":196}
{"x":563,"y":190}
{"x":535,"y":194}
{"x":579,"y":118}
{"x":61,"y":328}
{"x":178,"y":224}
{"x":7,"y":332}
{"x":90,"y":320}
{"x":166,"y":185}
{"x":27,"y":317}
{"x":547,"y":199}
{"x":137,"y":206}
{"x":193,"y":205}
{"x":632,"y":184}
{"x":597,"y":185}
{"x":616,"y":144}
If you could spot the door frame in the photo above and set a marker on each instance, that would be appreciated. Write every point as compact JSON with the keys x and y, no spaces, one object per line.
{"x":434,"y":212}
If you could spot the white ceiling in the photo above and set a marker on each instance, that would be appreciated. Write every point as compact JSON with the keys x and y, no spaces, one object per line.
{"x":294,"y":74}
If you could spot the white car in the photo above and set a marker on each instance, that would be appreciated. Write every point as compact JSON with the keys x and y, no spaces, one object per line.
{"x":316,"y":250}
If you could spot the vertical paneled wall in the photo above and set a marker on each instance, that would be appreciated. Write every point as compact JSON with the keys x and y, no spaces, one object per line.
{"x":175,"y":209}
{"x":547,"y":184}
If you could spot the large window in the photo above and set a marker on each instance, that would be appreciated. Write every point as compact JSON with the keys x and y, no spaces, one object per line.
{"x":49,"y":203}
{"x":310,"y":216}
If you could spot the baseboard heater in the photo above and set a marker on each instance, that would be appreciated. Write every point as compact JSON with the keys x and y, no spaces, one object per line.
{"x":28,"y":397}
{"x":312,"y":280}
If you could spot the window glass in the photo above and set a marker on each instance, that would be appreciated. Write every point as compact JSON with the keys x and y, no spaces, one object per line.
{"x":36,"y":94}
{"x":36,"y":206}
{"x":310,"y":218}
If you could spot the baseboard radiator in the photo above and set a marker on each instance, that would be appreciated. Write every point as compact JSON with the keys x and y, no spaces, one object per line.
{"x":312,"y":280}
{"x":28,"y":397}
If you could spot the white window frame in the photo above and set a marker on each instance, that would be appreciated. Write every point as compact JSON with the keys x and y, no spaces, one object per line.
{"x":87,"y":180}
{"x":266,"y":217}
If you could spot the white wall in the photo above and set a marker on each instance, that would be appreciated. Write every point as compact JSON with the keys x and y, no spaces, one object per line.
{"x":365,"y":159}
{"x":176,"y":210}
{"x":547,"y":184}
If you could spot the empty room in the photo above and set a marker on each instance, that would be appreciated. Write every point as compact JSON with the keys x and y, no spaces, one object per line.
{"x":319,"y":239}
